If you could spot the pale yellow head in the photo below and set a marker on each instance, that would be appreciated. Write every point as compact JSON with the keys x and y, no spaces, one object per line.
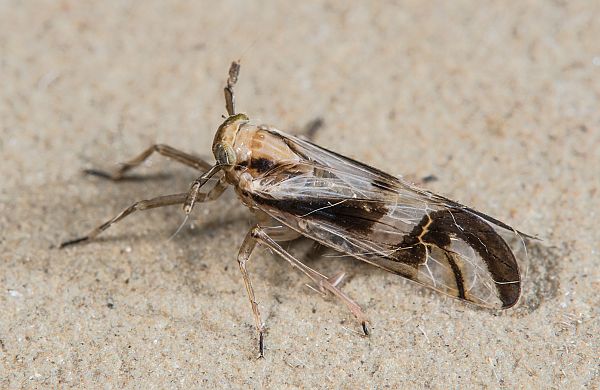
{"x":224,"y":140}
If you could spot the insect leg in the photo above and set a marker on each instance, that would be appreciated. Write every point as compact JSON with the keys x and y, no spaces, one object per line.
{"x":160,"y":201}
{"x":194,"y":195}
{"x":323,"y":282}
{"x":243,"y":256}
{"x":234,"y":71}
{"x":165,"y":150}
{"x":276,"y":230}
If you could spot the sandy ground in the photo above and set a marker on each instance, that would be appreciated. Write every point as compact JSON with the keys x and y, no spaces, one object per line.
{"x":499,"y":101}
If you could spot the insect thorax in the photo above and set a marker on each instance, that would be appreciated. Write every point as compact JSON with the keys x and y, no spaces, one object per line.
{"x":258,"y":149}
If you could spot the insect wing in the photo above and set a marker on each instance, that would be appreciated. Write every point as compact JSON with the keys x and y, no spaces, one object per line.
{"x":380,"y":219}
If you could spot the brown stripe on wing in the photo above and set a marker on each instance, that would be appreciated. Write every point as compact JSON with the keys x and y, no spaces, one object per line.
{"x":451,"y":203}
{"x":352,"y":215}
{"x":438,"y":227}
{"x":460,"y":283}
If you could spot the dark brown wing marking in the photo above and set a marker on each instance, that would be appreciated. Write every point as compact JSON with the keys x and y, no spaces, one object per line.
{"x":439,"y":227}
{"x":354,"y":215}
{"x":262,"y":165}
{"x":460,"y":283}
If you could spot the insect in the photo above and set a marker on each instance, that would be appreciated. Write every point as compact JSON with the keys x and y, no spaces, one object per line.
{"x":297,"y":188}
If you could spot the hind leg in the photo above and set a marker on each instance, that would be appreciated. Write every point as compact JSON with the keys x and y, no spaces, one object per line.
{"x":258,"y":235}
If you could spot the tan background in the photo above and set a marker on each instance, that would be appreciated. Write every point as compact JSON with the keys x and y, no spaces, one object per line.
{"x":499,"y":100}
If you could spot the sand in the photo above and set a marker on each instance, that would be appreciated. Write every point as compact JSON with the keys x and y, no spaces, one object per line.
{"x":499,"y":101}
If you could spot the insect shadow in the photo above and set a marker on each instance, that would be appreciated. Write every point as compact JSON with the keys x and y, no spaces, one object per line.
{"x":134,"y":178}
{"x":541,"y":269}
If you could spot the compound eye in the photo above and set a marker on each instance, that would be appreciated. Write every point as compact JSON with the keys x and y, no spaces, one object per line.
{"x":224,"y":154}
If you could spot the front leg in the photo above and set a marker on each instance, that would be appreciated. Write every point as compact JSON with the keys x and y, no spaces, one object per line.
{"x":160,"y":201}
{"x":164,"y":150}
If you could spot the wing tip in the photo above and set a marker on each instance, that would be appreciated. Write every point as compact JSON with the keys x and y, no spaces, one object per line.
{"x":511,"y":300}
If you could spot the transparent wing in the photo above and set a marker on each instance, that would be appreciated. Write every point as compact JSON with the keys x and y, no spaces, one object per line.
{"x":378,"y":218}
